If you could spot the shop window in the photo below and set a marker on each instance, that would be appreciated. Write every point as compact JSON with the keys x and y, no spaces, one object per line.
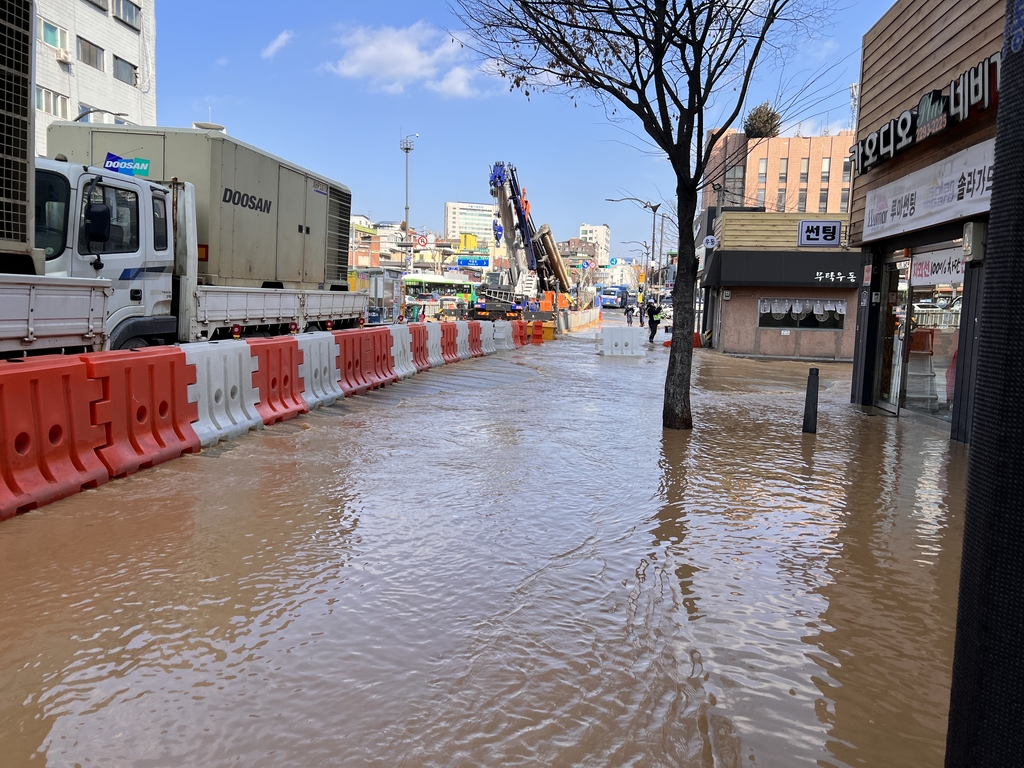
{"x":823,"y":201}
{"x":801,"y":201}
{"x":802,"y":314}
{"x":844,"y":200}
{"x":780,"y":203}
{"x":826,"y":169}
{"x":783,"y":170}
{"x":805,"y":163}
{"x":762,"y":170}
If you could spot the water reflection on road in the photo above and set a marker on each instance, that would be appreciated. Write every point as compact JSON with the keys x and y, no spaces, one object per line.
{"x":504,"y":562}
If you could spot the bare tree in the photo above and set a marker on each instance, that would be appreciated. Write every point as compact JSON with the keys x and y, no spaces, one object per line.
{"x":681,"y":67}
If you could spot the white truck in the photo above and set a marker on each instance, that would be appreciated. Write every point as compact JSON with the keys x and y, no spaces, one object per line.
{"x":96,"y":255}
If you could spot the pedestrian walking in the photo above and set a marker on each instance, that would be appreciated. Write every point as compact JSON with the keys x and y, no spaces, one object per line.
{"x":629,"y":315}
{"x":642,"y":310}
{"x":653,"y":318}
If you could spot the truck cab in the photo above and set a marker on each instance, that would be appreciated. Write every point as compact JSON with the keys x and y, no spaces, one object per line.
{"x":92,"y":223}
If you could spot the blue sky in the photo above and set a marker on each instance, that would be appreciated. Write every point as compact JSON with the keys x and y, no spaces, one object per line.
{"x":334,"y":86}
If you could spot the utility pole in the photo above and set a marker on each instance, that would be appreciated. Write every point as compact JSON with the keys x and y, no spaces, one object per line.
{"x":661,"y":248}
{"x":406,"y":145}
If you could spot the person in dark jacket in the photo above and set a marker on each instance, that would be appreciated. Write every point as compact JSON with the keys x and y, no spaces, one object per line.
{"x":653,"y":318}
{"x":629,"y":314}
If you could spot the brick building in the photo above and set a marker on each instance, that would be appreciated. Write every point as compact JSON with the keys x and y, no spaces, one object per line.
{"x":785,"y":174}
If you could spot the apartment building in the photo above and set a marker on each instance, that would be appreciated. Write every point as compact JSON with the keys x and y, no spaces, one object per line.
{"x":601,"y":236}
{"x":470,"y":219}
{"x":95,"y":55}
{"x":784,"y":174}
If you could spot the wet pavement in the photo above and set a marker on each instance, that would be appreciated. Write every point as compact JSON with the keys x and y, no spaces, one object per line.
{"x":503,"y":562}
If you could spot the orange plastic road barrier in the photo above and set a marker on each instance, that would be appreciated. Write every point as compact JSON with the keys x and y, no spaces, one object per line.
{"x":518,"y":333}
{"x":277,"y":378}
{"x":350,"y":362}
{"x":449,"y":342}
{"x":47,"y":440}
{"x":420,"y":355}
{"x":696,"y":340}
{"x":144,"y":409}
{"x":383,"y":360}
{"x":476,"y":341}
{"x":538,"y":332}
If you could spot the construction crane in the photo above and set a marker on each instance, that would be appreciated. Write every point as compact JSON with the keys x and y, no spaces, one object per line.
{"x":535,"y":266}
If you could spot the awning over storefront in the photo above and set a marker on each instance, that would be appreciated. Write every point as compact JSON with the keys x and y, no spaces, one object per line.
{"x":796,"y":269}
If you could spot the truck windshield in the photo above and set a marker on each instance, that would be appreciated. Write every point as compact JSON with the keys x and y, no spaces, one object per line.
{"x":52,"y":193}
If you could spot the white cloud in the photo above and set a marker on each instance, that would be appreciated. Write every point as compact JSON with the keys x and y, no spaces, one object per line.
{"x":457,"y":83}
{"x":277,"y":44}
{"x":392,"y":59}
{"x":222,"y":61}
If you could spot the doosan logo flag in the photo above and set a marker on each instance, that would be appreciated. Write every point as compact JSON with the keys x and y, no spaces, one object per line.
{"x":129,"y":166}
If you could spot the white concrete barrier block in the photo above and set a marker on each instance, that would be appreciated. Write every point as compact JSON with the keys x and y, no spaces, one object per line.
{"x":617,"y":341}
{"x":434,"y":354}
{"x":462,"y":340}
{"x":503,"y":335}
{"x":223,"y":392}
{"x":401,"y":350}
{"x":318,"y":370}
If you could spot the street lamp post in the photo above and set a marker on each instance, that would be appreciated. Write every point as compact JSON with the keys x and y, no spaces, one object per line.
{"x":104,"y":111}
{"x":652,"y":207}
{"x":407,"y":146}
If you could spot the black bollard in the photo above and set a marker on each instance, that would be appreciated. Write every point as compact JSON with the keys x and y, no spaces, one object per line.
{"x":811,"y":403}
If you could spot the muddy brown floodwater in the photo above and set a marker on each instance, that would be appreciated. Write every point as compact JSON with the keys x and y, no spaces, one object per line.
{"x":502,"y":563}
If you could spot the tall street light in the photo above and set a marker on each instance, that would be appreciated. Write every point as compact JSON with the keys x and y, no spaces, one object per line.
{"x":407,"y":146}
{"x":653,"y":208}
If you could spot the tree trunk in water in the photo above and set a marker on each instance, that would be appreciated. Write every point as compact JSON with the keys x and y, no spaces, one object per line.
{"x":676,"y":412}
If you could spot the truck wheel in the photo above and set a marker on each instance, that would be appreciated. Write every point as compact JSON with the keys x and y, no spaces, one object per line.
{"x":135,"y":342}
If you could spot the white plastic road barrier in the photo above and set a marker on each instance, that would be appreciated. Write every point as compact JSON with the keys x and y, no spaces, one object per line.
{"x":434,"y":345}
{"x":319,"y":368}
{"x":223,"y":390}
{"x":624,"y":342}
{"x":401,"y":350}
{"x":462,"y":340}
{"x":487,"y":337}
{"x":503,"y":335}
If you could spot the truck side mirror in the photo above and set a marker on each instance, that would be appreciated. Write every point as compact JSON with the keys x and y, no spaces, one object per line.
{"x":97,"y":222}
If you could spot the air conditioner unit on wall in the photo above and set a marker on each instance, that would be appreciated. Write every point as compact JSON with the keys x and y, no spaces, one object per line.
{"x":63,"y":56}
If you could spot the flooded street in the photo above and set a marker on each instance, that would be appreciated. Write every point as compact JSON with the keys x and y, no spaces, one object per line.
{"x":503,"y":562}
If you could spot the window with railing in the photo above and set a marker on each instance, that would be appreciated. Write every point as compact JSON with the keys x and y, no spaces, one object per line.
{"x":762,"y":170}
{"x":844,"y":200}
{"x":826,"y":168}
{"x":847,"y":167}
{"x":805,"y":163}
{"x":783,"y":170}
{"x":823,"y":200}
{"x":801,"y":201}
{"x":780,"y":201}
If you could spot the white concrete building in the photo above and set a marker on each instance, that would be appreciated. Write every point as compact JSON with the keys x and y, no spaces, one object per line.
{"x":95,"y":54}
{"x":601,"y":236}
{"x":470,"y":219}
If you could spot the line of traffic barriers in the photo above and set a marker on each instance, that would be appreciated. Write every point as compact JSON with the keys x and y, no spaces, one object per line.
{"x":75,"y":421}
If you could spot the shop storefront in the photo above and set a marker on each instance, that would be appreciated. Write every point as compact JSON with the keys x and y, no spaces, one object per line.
{"x":924,"y":161}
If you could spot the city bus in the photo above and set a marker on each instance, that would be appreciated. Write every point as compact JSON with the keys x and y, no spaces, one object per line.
{"x":426,"y":294}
